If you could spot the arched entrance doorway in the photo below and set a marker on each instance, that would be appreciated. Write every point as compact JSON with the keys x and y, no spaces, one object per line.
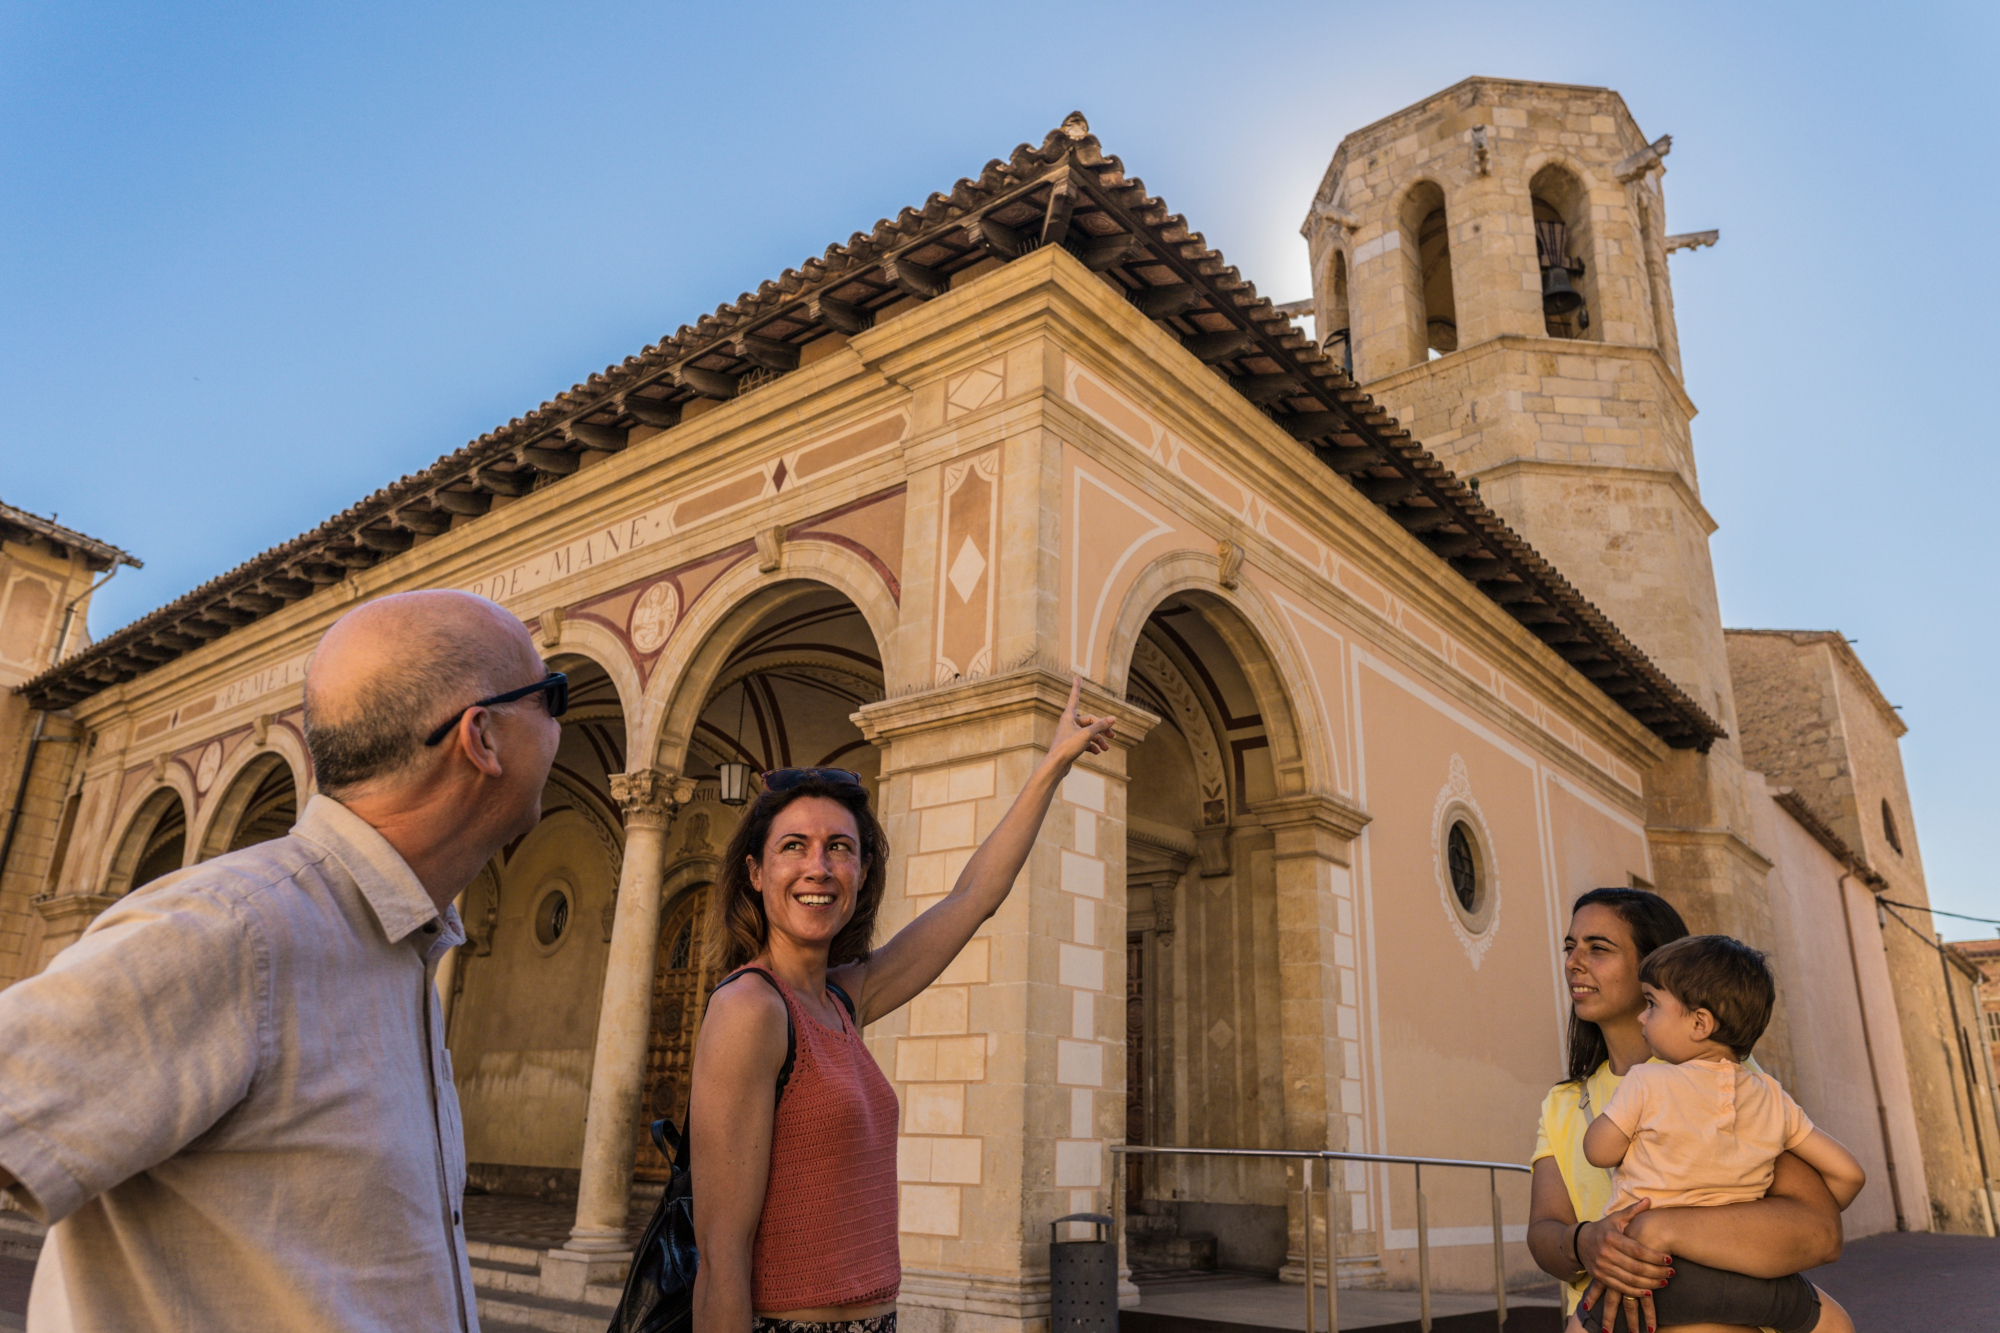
{"x":262,"y":803}
{"x":154,"y":844}
{"x":1204,"y":1031}
{"x":523,"y":1015}
{"x":781,"y":698}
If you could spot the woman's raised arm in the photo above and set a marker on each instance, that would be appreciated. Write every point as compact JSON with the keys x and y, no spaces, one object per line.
{"x":912,"y":959}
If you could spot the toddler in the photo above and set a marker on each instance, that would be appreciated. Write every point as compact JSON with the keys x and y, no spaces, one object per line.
{"x":1694,"y":1128}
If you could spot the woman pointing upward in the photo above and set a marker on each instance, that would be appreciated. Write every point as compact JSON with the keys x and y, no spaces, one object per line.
{"x":795,"y":1164}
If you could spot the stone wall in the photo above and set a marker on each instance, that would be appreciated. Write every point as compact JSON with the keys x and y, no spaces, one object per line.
{"x":1813,"y":720}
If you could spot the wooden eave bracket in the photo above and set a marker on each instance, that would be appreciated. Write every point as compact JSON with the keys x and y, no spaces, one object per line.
{"x":705,"y":383}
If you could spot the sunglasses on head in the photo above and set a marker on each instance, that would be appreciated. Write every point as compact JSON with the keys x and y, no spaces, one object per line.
{"x":784,"y":779}
{"x":554,"y":689}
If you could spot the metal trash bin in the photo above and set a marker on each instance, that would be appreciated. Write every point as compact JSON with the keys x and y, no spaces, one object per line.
{"x":1083,"y":1278}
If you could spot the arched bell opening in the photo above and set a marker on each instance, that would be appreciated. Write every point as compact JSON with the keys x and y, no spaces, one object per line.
{"x":1431,"y":295}
{"x":1336,"y":329}
{"x":261,"y":803}
{"x":155,"y":844}
{"x":778,"y":686}
{"x":530,"y":977}
{"x":1203,"y":1004}
{"x":1563,"y":252}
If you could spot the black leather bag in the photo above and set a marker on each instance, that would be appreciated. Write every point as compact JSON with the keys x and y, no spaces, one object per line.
{"x":659,"y":1289}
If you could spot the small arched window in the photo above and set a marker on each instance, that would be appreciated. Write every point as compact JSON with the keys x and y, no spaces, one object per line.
{"x":1337,"y":335}
{"x":1889,"y":828}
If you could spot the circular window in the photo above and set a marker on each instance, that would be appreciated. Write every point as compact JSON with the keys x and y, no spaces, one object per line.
{"x":552,"y":918}
{"x":1464,"y":867}
{"x":1468,"y":879}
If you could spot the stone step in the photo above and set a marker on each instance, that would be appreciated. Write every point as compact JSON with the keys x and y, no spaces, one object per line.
{"x":1158,"y":1253}
{"x":481,"y":1251}
{"x":21,"y":1236}
{"x":524,"y":1311}
{"x":1362,"y":1271}
{"x":504,"y":1279}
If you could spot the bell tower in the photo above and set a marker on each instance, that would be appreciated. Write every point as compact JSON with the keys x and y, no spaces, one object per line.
{"x":1492,"y":263}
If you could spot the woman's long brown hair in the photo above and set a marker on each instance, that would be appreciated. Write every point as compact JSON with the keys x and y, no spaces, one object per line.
{"x":738,"y":928}
{"x":1653,"y":922}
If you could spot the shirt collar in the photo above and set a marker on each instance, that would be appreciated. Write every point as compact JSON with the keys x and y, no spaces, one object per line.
{"x":392,"y":890}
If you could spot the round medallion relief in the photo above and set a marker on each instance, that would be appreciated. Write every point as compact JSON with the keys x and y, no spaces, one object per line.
{"x":654,"y":616}
{"x":208,"y":766}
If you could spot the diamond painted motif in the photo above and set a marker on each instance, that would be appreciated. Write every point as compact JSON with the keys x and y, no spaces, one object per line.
{"x":966,"y":569}
{"x":778,"y":477}
{"x":973,"y":390}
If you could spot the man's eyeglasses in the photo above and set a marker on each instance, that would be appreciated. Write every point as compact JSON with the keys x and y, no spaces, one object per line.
{"x":554,"y":689}
{"x":784,"y":779}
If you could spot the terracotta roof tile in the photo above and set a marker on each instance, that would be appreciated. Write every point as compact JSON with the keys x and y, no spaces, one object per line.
{"x":1065,"y":190}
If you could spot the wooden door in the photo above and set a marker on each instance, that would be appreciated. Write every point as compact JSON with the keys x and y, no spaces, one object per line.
{"x":680,"y":987}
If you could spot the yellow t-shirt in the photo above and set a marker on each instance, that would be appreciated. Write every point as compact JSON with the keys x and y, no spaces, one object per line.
{"x":1559,"y":1134}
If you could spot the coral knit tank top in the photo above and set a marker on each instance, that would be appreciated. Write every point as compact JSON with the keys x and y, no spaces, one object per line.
{"x":828,"y":1232}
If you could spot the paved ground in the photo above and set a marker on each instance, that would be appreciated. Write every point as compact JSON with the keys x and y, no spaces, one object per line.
{"x":15,"y":1275}
{"x":1216,"y":1302}
{"x":1937,"y":1284}
{"x":1913,"y":1280}
{"x":507,"y":1219}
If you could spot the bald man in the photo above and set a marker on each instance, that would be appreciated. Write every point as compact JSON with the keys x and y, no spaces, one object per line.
{"x":230,"y":1098}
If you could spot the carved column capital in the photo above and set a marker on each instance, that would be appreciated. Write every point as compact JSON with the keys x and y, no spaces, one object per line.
{"x":1311,"y":825}
{"x":71,"y":911}
{"x":648,"y":797}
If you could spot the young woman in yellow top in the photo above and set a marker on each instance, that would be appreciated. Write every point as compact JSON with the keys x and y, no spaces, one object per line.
{"x":1627,"y":1256}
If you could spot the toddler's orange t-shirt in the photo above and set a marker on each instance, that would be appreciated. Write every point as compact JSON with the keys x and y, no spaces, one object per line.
{"x":1705,"y":1132}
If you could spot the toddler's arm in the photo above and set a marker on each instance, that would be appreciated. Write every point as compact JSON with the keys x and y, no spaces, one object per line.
{"x":1604,"y":1144}
{"x":1823,"y":1153}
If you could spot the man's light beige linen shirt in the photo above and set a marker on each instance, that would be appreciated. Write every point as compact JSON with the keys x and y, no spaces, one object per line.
{"x":231,"y":1099}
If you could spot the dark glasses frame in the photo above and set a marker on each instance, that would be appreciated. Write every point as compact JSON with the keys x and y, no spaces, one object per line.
{"x":784,"y":779}
{"x":555,"y":685}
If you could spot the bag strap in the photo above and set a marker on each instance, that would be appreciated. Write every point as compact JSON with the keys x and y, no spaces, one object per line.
{"x":846,"y":1001}
{"x":791,"y":1033}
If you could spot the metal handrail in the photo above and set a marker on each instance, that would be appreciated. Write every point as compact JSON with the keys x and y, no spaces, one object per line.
{"x":1306,"y":1158}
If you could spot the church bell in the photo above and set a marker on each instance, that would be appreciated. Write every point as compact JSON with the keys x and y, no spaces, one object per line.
{"x":1558,"y":297}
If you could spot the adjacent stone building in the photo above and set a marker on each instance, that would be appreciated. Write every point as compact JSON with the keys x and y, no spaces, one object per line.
{"x":1386,"y":706}
{"x":1985,"y":955}
{"x":47,"y":574}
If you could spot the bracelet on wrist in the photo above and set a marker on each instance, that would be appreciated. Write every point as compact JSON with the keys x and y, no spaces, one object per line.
{"x":1576,"y":1249}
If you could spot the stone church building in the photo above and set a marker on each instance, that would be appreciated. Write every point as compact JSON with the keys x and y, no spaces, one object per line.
{"x":1410,"y":627}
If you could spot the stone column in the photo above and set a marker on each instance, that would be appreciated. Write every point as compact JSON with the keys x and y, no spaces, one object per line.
{"x":1318,"y":1016}
{"x":1009,"y":1068}
{"x":624,"y":1022}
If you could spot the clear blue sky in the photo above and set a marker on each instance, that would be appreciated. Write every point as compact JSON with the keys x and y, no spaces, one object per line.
{"x":258,"y":260}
